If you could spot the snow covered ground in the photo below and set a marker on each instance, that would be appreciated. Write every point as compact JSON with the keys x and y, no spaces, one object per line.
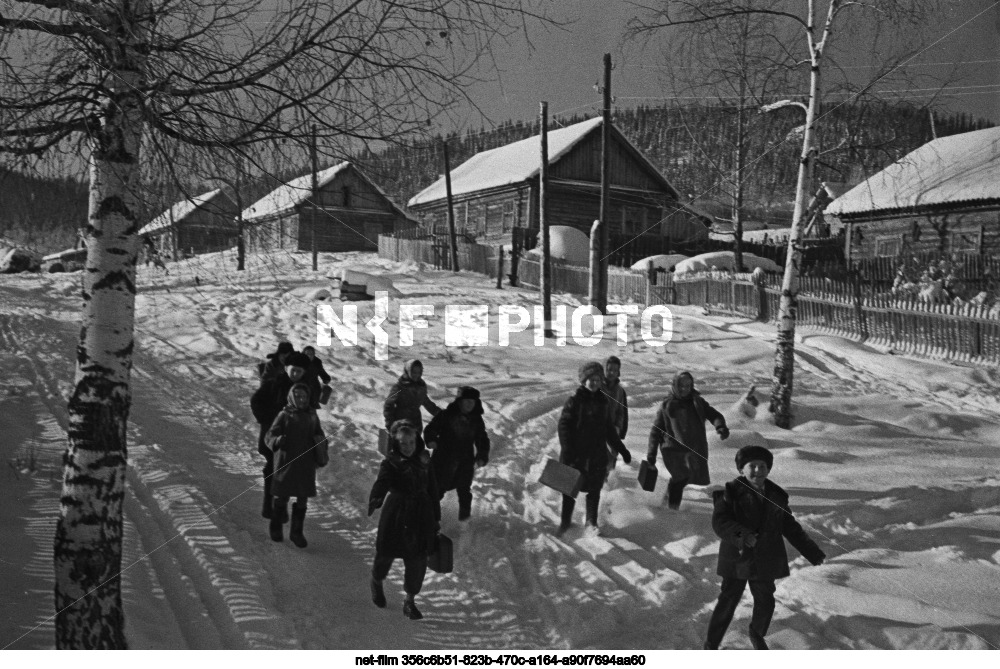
{"x":891,"y":466}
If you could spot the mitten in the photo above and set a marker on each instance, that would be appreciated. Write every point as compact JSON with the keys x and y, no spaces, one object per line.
{"x":723,"y":432}
{"x":626,"y":457}
{"x":374,"y":504}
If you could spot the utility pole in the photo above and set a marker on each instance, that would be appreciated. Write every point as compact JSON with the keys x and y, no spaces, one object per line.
{"x":602,"y":304}
{"x":451,"y":209}
{"x":543,"y":220}
{"x":241,"y":248}
{"x":315,"y":194}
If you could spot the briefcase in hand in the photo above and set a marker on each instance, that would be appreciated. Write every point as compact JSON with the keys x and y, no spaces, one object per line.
{"x":442,"y":559}
{"x":562,"y":478}
{"x":647,"y":476}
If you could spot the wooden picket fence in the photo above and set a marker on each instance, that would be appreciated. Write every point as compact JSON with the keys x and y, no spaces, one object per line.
{"x":967,"y":332}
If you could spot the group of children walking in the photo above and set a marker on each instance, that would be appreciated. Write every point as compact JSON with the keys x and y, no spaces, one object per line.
{"x":751,"y":515}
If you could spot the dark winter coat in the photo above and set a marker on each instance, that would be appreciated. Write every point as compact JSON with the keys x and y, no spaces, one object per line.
{"x":461,"y":440}
{"x":740,"y":510}
{"x":678,"y":432}
{"x":411,"y":513}
{"x":267,"y":402}
{"x":295,"y":455}
{"x":617,"y":406}
{"x":405,"y":399}
{"x":315,"y":376}
{"x":585,"y":433}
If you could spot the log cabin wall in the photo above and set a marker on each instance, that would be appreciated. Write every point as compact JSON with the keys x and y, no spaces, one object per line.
{"x":969,"y":231}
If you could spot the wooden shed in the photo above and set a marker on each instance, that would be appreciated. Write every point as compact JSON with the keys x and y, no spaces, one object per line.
{"x":496,"y":191}
{"x":943,"y":197}
{"x":200,"y":224}
{"x":348,"y":213}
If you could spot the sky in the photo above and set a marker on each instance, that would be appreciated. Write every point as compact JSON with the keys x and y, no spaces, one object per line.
{"x":566,"y":63}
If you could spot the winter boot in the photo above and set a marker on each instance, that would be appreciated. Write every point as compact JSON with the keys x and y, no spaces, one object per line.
{"x":378,"y":594}
{"x":265,"y":509}
{"x":410,"y":609}
{"x":464,"y":507}
{"x":298,"y":519}
{"x":280,"y":508}
{"x":757,"y":640}
{"x":568,"y":504}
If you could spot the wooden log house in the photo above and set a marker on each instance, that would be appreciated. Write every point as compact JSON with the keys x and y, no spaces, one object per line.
{"x":496,"y":191}
{"x":199,"y":224}
{"x":943,"y":197}
{"x":350,"y":213}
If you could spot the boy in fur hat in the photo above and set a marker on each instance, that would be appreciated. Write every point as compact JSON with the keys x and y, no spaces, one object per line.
{"x":678,"y":432}
{"x":585,"y":433}
{"x":460,"y":445}
{"x":753,"y":519}
{"x":406,"y":492}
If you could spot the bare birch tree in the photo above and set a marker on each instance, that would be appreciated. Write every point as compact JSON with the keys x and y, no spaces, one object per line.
{"x":112,"y":80}
{"x":805,"y":29}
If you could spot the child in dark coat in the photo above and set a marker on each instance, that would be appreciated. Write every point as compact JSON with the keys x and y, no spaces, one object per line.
{"x":678,"y":432}
{"x":460,"y":444}
{"x":585,"y":433}
{"x":617,"y":404}
{"x":407,"y":395}
{"x":410,"y":517}
{"x":753,"y":520}
{"x":299,"y":446}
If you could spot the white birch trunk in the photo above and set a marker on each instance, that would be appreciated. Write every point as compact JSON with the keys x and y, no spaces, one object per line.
{"x":87,"y":552}
{"x":784,"y":356}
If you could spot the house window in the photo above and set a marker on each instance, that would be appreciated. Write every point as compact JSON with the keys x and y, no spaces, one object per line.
{"x":508,"y":216}
{"x":888,"y":247}
{"x":634,"y":220}
{"x":966,"y":241}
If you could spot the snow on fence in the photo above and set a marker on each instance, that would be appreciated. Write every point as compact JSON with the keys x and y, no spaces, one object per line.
{"x":958,"y":332}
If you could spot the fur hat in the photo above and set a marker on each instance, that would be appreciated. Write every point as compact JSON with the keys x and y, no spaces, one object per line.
{"x":298,"y":360}
{"x":285,"y":347}
{"x":748,"y":453}
{"x":588,"y":369}
{"x":402,"y":424}
{"x":467,"y":393}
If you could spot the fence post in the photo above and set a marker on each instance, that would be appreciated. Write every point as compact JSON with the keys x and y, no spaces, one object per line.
{"x":517,"y":243}
{"x":500,"y":268}
{"x":859,"y":313}
{"x":758,"y":282}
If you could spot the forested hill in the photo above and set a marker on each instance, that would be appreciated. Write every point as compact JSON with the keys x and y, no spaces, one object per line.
{"x":692,"y":146}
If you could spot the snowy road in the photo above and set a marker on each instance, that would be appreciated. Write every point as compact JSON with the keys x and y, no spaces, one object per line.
{"x":892,"y":464}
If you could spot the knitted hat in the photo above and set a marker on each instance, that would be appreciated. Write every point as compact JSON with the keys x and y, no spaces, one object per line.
{"x":298,"y":360}
{"x":467,"y":393}
{"x":748,"y":453}
{"x":588,"y":369}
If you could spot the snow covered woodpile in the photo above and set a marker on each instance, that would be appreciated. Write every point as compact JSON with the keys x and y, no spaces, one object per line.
{"x":567,"y":244}
{"x":722,"y":260}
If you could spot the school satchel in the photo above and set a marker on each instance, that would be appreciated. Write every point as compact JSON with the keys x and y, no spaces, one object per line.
{"x":324,"y":394}
{"x":383,"y":442}
{"x":562,"y":478}
{"x":647,"y":476}
{"x":442,"y":559}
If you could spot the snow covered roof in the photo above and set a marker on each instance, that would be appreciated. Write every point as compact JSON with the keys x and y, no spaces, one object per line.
{"x":514,"y":163}
{"x":177,"y":212}
{"x":290,"y":195}
{"x":949,"y":170}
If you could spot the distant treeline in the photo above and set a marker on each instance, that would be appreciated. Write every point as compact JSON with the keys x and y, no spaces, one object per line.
{"x":693,"y":146}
